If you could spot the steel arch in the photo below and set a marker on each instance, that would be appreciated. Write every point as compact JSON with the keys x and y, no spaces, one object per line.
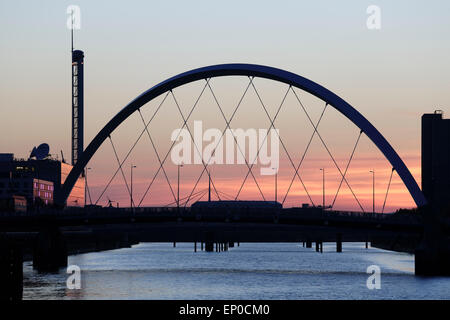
{"x":256,"y":71}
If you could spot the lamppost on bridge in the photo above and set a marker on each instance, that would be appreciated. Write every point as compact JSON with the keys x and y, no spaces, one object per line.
{"x":323,"y":187}
{"x":373,"y":190}
{"x":276,"y":183}
{"x":131,"y":191}
{"x":178,"y":187}
{"x":209,"y":185}
{"x":86,"y":185}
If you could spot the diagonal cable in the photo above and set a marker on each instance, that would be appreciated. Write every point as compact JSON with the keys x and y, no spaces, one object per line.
{"x":223,"y":132}
{"x":346,"y":168}
{"x":387,"y":191}
{"x":185,"y":197}
{"x":173,"y":143}
{"x":305,"y":152}
{"x":198,"y":195}
{"x":234,"y":137}
{"x":121,"y":169}
{"x":157,"y":155}
{"x":272,"y":121}
{"x":131,"y":149}
{"x":329,"y":153}
{"x":193,"y":141}
{"x":260,"y":146}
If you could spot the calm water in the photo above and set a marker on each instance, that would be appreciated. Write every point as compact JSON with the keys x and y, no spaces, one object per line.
{"x":251,"y":271}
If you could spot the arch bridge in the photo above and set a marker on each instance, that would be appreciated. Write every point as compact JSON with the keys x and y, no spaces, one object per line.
{"x":251,"y":71}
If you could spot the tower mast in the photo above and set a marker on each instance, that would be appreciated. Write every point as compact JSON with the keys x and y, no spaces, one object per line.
{"x":77,"y":99}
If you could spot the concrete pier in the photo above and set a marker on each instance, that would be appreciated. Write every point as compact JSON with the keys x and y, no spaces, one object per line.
{"x":11,"y":271}
{"x":50,"y":251}
{"x":308,"y":243}
{"x":209,"y":246}
{"x":432,"y":256}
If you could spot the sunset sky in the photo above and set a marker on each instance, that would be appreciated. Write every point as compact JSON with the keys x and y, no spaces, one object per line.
{"x":392,"y":76}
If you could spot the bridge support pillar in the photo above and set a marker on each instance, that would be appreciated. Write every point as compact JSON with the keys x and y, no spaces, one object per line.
{"x":317,"y":246}
{"x":201,"y":246}
{"x":209,"y":246}
{"x":308,"y":243}
{"x":50,"y":251}
{"x":339,"y":242}
{"x":195,"y":246}
{"x":231,"y":244}
{"x":432,"y":256}
{"x":11,"y":271}
{"x":174,"y":244}
{"x":321,"y":247}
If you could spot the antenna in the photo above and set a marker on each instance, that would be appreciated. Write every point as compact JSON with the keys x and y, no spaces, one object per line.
{"x":71,"y":30}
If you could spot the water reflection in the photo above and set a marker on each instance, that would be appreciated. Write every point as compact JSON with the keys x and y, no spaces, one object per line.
{"x":251,"y":271}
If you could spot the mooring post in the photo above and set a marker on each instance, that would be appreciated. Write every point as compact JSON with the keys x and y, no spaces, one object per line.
{"x":339,"y":242}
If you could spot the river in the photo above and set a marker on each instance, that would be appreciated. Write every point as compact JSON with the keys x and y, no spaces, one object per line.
{"x":250,"y":271}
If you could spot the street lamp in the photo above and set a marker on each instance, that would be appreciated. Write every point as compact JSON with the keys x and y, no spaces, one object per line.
{"x":276,"y":183}
{"x":131,"y":193}
{"x":178,"y":188}
{"x":373,"y":190}
{"x":86,"y":189}
{"x":323,"y":187}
